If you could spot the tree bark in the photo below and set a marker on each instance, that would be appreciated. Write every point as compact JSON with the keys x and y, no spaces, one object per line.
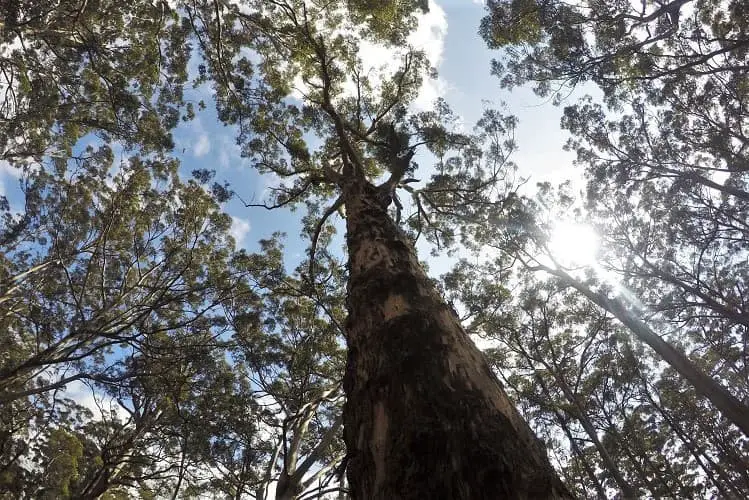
{"x":425,"y":416}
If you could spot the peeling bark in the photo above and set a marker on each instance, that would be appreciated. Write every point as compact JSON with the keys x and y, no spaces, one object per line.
{"x":425,"y":416}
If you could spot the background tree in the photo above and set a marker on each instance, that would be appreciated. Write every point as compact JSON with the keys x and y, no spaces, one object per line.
{"x":116,"y":282}
{"x":597,"y":396}
{"x":617,"y":45}
{"x":666,"y":189}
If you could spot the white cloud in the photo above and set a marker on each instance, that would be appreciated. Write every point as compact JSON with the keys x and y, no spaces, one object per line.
{"x":223,"y":158}
{"x":430,"y":36}
{"x":239,"y":229}
{"x":100,"y":405}
{"x":202,"y":147}
{"x":227,"y":153}
{"x":9,"y":176}
{"x":430,"y":91}
{"x":7,"y":169}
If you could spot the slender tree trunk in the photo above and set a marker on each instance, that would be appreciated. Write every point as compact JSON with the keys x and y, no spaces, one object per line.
{"x":725,"y":402}
{"x":722,"y":482}
{"x":425,"y":416}
{"x":564,"y":424}
{"x":649,"y":474}
{"x":116,"y":457}
{"x":627,"y":490}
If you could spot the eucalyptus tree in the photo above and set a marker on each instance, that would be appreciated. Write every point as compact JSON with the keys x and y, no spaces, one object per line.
{"x":279,"y":435}
{"x":29,"y":443}
{"x":424,"y":415}
{"x":107,"y":262}
{"x":723,"y":466}
{"x":119,"y":276}
{"x":545,"y":340}
{"x":523,"y":237}
{"x":104,"y":273}
{"x":684,"y":246}
{"x":115,"y":280}
{"x":297,"y":362}
{"x":103,"y":263}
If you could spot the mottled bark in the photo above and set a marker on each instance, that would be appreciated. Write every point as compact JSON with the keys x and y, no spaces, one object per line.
{"x":425,"y":416}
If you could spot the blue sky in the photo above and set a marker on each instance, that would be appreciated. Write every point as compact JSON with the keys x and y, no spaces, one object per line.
{"x":465,"y":68}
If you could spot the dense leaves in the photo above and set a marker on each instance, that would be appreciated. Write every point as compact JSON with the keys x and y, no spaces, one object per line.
{"x":115,"y":69}
{"x":617,"y":45}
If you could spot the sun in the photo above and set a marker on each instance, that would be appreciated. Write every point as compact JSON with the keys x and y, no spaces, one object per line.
{"x":573,"y":244}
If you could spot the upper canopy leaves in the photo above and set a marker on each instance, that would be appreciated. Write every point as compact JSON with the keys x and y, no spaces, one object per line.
{"x":615,"y":44}
{"x":111,"y":68}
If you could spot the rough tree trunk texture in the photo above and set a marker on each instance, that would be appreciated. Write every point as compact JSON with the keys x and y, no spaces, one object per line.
{"x":425,"y":416}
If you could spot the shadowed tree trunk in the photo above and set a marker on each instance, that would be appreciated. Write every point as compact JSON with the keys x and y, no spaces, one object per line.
{"x":425,"y":416}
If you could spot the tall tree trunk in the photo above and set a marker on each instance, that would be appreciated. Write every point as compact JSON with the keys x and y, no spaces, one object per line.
{"x":425,"y":416}
{"x":649,"y":474}
{"x":731,"y":408}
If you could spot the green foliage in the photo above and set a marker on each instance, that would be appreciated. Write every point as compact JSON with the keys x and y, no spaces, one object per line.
{"x":63,"y":451}
{"x":514,"y":22}
{"x":614,"y":44}
{"x":115,"y":69}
